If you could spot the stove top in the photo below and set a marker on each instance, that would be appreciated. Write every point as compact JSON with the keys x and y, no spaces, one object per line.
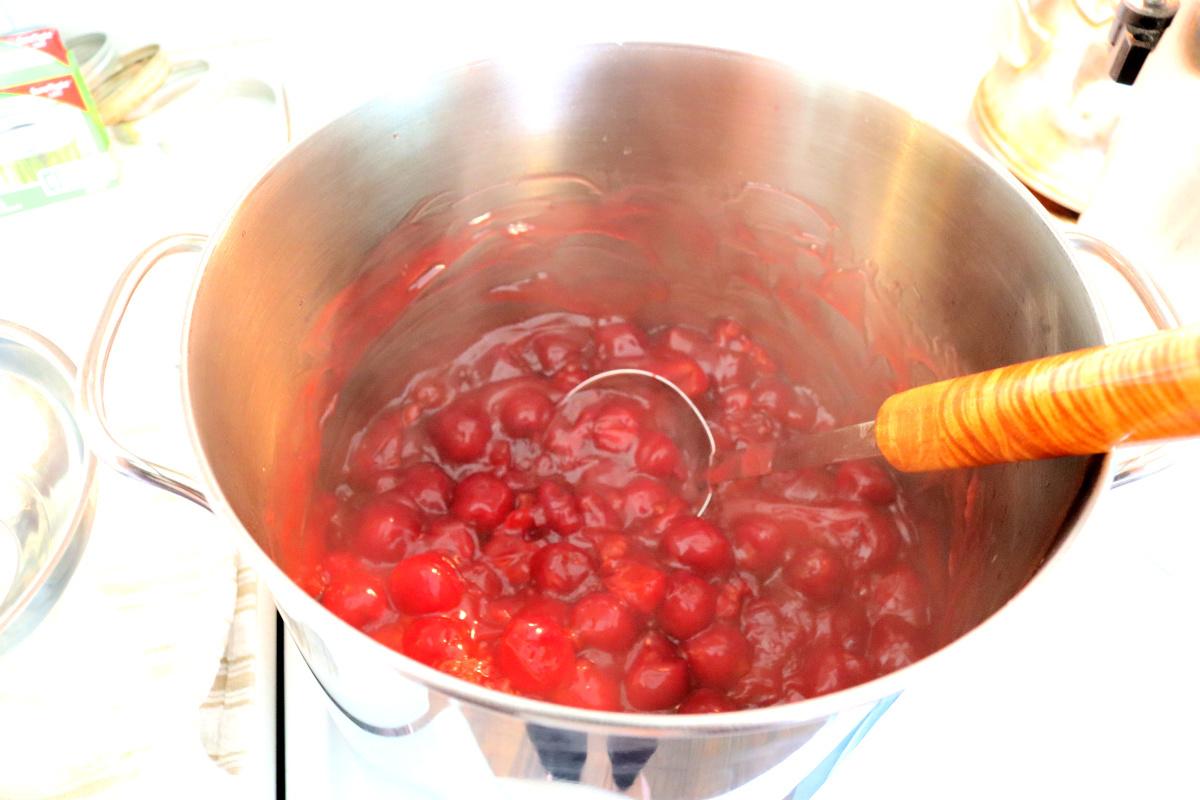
{"x":1070,"y":679}
{"x":327,"y":756}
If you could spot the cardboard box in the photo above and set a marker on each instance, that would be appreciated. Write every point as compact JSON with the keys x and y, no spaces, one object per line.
{"x":52,"y":143}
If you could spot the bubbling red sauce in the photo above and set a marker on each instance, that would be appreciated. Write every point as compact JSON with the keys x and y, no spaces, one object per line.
{"x":477,"y":525}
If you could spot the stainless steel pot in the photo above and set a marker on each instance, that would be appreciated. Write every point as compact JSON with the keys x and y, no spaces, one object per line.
{"x":970,"y":258}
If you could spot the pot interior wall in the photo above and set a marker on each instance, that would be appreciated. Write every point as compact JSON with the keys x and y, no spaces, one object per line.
{"x":959,"y":272}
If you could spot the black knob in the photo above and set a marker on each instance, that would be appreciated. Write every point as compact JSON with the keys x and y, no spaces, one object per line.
{"x":628,"y":754}
{"x":562,"y":753}
{"x":1137,"y":27}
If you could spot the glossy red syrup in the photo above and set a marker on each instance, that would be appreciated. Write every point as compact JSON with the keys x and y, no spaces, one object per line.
{"x":473,"y":526}
{"x":557,"y":555}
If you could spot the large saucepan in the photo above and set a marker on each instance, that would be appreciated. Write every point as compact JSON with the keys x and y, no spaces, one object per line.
{"x":961,"y":249}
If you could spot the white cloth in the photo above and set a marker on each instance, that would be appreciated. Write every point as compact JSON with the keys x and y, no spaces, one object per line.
{"x":105,"y":698}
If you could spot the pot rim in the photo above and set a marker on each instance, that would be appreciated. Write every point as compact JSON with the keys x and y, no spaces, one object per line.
{"x":756,"y":720}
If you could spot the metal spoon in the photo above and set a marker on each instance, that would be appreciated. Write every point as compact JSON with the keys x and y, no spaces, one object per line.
{"x":1077,"y":403}
{"x":612,"y":375}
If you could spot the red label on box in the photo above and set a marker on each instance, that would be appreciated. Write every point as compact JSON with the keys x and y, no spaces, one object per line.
{"x":45,"y":39}
{"x":63,"y":89}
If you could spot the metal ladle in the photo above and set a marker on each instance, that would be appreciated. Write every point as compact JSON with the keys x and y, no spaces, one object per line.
{"x":1078,"y":403}
{"x":626,"y":372}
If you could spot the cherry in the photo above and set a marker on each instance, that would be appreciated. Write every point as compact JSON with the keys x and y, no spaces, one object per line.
{"x":510,"y":555}
{"x":602,"y":621}
{"x":718,"y":656}
{"x":817,"y":571}
{"x":433,"y":640}
{"x":597,"y":511}
{"x":689,"y":605}
{"x":499,"y":454}
{"x":644,"y":497}
{"x":657,"y":455}
{"x":730,"y":369}
{"x":357,"y":595}
{"x":845,"y":625}
{"x":861,"y":586}
{"x":610,"y":547}
{"x":761,"y":686}
{"x":866,"y":481}
{"x":554,"y":349}
{"x":525,"y":411}
{"x":761,"y":359}
{"x":560,"y":568}
{"x":590,"y":687}
{"x":536,"y":655}
{"x":451,"y":536}
{"x":729,"y":333}
{"x":641,"y":586}
{"x":570,"y":376}
{"x":696,"y":543}
{"x":798,"y":610}
{"x":652,"y":529}
{"x":684,"y":372}
{"x":655,"y":681}
{"x":460,"y":431}
{"x":385,"y":527}
{"x":828,"y":669}
{"x":823,"y":595}
{"x":732,"y":592}
{"x":429,"y":393}
{"x":520,"y":520}
{"x":773,"y":397}
{"x":495,"y":614}
{"x":706,"y":701}
{"x":483,"y":500}
{"x":546,"y":608}
{"x":735,"y":402}
{"x":615,"y":428}
{"x":758,"y":544}
{"x":866,"y":535}
{"x":894,"y":644}
{"x":378,"y":449}
{"x":429,"y":487}
{"x":336,"y":565}
{"x":563,"y":513}
{"x":482,"y":577}
{"x":771,"y":635}
{"x":425,"y":584}
{"x":652,"y":644}
{"x":619,"y":340}
{"x":900,"y":592}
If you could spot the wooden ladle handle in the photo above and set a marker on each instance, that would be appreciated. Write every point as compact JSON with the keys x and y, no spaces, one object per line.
{"x":1087,"y":401}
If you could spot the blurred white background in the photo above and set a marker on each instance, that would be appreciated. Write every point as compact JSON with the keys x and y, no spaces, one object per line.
{"x":352,"y":49}
{"x":1079,"y":695}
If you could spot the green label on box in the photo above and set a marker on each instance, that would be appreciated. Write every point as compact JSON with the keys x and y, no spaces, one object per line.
{"x":52,"y":143}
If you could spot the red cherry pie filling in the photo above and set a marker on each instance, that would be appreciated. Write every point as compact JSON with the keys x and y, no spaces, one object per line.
{"x":480,"y":530}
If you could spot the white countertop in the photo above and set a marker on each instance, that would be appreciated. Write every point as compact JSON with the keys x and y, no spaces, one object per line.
{"x":1081,"y":693}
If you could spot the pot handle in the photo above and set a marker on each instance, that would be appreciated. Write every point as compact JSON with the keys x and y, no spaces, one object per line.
{"x":1144,"y":461}
{"x":93,"y":372}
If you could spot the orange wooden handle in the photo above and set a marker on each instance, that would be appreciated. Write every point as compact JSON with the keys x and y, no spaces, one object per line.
{"x":1083,"y":402}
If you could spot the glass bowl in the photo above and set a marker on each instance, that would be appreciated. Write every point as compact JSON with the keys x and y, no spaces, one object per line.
{"x":47,"y":480}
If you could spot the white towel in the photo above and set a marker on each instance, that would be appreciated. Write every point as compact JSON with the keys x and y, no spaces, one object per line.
{"x":231,"y":716}
{"x":114,"y":694}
